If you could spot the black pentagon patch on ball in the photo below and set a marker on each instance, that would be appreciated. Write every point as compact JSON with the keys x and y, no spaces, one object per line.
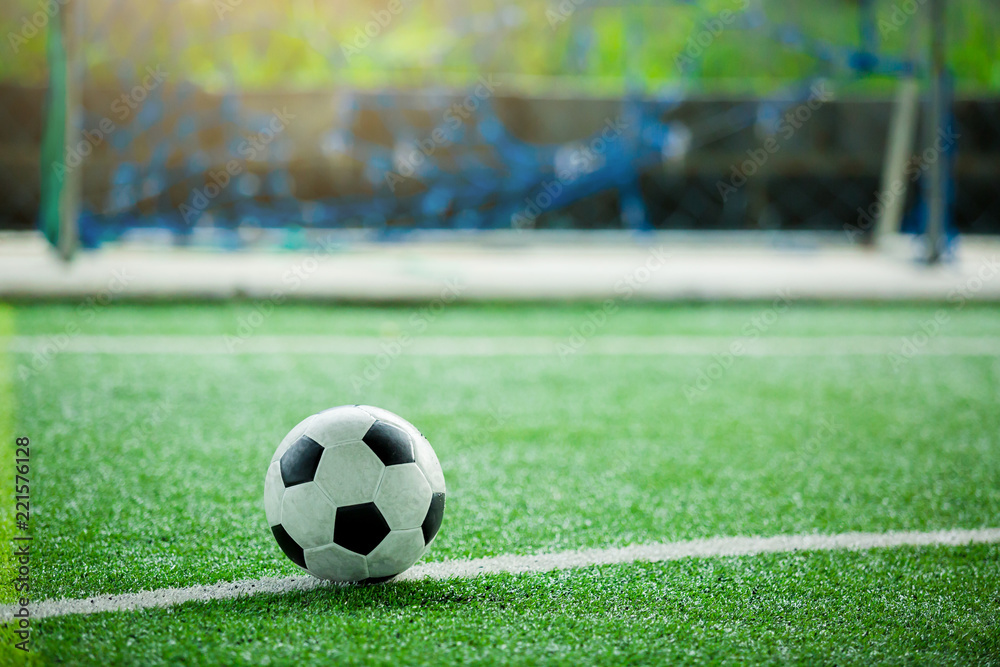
{"x":391,"y":444}
{"x":359,"y":528}
{"x":299,"y":462}
{"x":289,"y":546}
{"x":434,"y":516}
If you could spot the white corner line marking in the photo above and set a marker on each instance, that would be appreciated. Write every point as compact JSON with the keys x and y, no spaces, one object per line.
{"x":702,"y":548}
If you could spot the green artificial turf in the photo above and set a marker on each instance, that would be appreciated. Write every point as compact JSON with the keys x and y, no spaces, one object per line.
{"x":635,"y":318}
{"x":914,"y":606}
{"x":149,"y":472}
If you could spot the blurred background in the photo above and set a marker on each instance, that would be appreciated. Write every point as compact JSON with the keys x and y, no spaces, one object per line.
{"x":241,"y":124}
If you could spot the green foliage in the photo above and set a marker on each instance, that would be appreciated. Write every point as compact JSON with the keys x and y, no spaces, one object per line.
{"x":256,"y":45}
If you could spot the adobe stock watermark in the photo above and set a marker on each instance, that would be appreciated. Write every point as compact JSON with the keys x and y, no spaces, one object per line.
{"x":292,"y":279}
{"x":53,"y":344}
{"x":918,"y":164}
{"x":912,"y":345}
{"x":758,"y":325}
{"x":560,"y":13}
{"x":497,"y":418}
{"x":369,"y":32}
{"x":821,"y":436}
{"x":250,"y":149}
{"x":786,"y":128}
{"x":900,"y":14}
{"x":409,"y":157}
{"x":710,"y":30}
{"x":417,"y":324}
{"x":123,"y":107}
{"x":597,"y":318}
{"x":144,"y":427}
{"x":35,"y":24}
{"x":580,"y":159}
{"x":223,"y":7}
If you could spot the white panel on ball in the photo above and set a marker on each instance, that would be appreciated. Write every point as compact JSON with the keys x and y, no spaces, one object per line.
{"x":404,"y":496}
{"x":292,"y":436}
{"x":349,"y":473}
{"x":336,"y":563}
{"x":340,"y":424}
{"x":428,"y":462}
{"x":422,"y":450}
{"x":398,"y":551}
{"x":307,"y":515}
{"x":391,"y":417}
{"x":273,"y":490}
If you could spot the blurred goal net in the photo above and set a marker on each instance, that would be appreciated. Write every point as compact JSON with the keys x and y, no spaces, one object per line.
{"x":229,"y":122}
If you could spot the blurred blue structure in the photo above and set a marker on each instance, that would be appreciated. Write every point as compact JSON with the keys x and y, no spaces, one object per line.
{"x":167,"y":165}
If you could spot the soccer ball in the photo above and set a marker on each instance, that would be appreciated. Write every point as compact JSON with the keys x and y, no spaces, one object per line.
{"x":354,"y":493}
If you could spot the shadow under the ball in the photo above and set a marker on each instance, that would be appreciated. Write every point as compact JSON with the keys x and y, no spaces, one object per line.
{"x":391,"y":594}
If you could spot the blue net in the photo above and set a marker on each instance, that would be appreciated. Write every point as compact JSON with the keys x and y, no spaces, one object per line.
{"x":233,"y":121}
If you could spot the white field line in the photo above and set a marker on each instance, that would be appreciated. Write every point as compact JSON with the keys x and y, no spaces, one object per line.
{"x":705,"y":548}
{"x":474,"y":346}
